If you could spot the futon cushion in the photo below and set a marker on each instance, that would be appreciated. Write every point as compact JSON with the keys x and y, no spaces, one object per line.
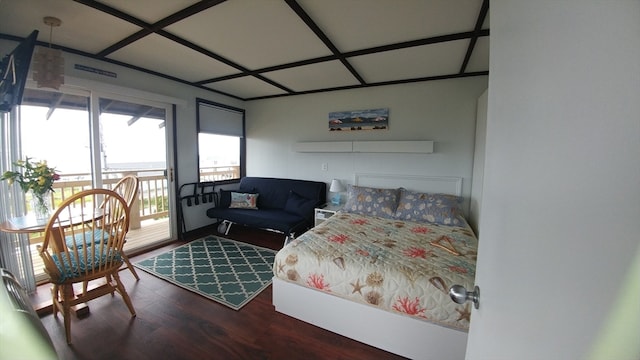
{"x":225,"y":199}
{"x":298,"y":204}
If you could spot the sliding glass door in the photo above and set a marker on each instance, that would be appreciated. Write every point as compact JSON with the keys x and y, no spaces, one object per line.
{"x":93,"y":140}
{"x":133,"y":140}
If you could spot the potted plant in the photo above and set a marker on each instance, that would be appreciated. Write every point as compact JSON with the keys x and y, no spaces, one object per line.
{"x":37,"y":178}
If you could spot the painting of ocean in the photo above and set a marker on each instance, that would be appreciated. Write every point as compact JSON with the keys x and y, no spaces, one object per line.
{"x":372,"y":119}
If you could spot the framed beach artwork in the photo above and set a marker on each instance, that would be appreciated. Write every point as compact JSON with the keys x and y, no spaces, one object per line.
{"x":372,"y":119}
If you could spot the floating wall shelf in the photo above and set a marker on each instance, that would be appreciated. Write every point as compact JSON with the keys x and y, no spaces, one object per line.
{"x":418,"y":147}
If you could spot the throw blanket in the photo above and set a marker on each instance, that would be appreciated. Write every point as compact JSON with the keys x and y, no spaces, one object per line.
{"x":400,"y":266}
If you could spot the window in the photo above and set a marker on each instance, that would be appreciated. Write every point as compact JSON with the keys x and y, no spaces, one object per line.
{"x":221,"y":142}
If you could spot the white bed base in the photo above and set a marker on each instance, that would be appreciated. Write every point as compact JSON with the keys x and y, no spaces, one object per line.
{"x":396,"y":333}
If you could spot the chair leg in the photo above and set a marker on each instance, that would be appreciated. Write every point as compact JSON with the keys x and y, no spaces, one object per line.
{"x":123,"y":293}
{"x":66,"y":311}
{"x":54,"y":300}
{"x":130,"y":266}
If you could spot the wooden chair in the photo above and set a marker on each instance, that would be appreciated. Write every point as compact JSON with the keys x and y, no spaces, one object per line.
{"x":100,"y":219}
{"x":127,"y":187}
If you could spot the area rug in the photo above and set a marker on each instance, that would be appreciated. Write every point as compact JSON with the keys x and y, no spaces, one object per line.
{"x":229,"y":272}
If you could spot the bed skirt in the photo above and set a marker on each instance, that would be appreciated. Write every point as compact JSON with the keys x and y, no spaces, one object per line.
{"x":396,"y":333}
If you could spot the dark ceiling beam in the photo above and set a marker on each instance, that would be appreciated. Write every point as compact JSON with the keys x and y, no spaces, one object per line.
{"x":157,"y":28}
{"x":244,"y":71}
{"x":419,"y":42}
{"x":373,"y":50}
{"x":293,"y":4}
{"x":120,"y":63}
{"x":146,"y":28}
{"x":484,"y":10}
{"x":383,"y":83}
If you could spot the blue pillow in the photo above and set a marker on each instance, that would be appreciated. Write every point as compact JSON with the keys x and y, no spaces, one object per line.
{"x":225,"y":199}
{"x":440,"y":209}
{"x":371,"y":201}
{"x":299,"y":205}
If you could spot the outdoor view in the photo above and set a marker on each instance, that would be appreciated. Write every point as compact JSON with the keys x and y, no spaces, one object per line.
{"x":59,"y":133}
{"x":63,"y":140}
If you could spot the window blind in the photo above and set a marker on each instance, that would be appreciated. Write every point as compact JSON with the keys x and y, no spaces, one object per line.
{"x":220,"y":120}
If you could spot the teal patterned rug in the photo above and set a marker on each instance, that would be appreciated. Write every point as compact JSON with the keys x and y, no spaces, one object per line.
{"x":229,"y":272}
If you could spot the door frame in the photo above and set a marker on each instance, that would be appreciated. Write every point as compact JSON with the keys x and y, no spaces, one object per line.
{"x":169,"y":141}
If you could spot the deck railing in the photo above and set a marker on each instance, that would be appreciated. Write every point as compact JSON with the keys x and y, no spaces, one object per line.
{"x":219,"y":173}
{"x":153,"y":193}
{"x":152,"y":201}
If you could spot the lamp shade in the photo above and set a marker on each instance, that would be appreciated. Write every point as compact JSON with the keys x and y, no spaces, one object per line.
{"x":336,"y":186}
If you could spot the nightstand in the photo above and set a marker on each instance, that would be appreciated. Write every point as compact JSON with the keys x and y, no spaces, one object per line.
{"x":322,"y":214}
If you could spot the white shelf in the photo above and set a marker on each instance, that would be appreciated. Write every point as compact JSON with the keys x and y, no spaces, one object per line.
{"x":417,"y":147}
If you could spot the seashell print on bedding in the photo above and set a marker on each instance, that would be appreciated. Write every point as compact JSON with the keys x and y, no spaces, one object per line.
{"x":396,"y":265}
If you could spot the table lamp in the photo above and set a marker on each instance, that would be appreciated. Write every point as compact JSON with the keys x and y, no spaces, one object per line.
{"x":336,"y":188}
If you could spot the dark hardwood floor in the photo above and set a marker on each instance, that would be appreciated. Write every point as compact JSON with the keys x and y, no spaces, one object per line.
{"x":173,"y":323}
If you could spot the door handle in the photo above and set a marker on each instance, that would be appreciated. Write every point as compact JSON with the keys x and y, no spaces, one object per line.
{"x":460,"y":295}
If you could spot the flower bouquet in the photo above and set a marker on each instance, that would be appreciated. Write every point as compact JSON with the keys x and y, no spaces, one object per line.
{"x":36,"y":177}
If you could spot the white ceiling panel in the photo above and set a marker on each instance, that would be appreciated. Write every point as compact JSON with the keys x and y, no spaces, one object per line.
{"x":254,"y":34}
{"x":324,"y":75}
{"x":159,"y":54}
{"x":360,"y":24}
{"x":415,"y":62}
{"x":479,"y":60}
{"x":91,"y":32}
{"x":246,"y":87}
{"x":146,"y":13}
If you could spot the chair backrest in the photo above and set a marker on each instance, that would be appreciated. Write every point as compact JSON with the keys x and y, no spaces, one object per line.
{"x":98,"y":219}
{"x":127,"y":187}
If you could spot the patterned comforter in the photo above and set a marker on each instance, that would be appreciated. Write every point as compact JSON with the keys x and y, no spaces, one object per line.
{"x":399,"y":266}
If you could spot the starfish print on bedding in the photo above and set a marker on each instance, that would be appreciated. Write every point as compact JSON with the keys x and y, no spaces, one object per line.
{"x":465,"y":313}
{"x":357,"y":287}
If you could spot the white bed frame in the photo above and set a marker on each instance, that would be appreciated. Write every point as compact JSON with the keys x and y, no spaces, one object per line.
{"x":392,"y":332}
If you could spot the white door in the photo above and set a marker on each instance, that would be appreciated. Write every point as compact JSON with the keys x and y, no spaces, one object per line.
{"x":560,"y":224}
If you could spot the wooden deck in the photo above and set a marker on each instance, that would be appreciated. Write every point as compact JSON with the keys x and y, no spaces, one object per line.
{"x":152,"y":233}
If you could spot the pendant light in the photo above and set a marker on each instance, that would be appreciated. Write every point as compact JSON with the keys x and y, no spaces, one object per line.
{"x":48,"y":63}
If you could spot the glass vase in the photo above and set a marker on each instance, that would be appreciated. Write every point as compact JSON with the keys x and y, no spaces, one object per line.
{"x":41,"y":205}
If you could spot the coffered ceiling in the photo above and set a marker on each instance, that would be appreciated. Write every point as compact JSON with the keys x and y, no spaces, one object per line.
{"x":254,"y":49}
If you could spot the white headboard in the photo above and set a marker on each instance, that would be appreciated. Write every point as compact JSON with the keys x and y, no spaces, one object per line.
{"x":431,"y":184}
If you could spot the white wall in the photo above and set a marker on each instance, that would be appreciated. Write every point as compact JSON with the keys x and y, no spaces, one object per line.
{"x":478,"y":163}
{"x":442,"y":111}
{"x":561,"y":197}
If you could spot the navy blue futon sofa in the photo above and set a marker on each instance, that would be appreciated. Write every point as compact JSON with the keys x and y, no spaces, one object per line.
{"x":283,"y":205}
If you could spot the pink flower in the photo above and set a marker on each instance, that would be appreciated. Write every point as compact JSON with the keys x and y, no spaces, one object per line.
{"x":359,"y":221}
{"x":415,"y":252}
{"x":404,"y":305}
{"x":340,"y":238}
{"x":317,"y":281}
{"x":420,"y":230}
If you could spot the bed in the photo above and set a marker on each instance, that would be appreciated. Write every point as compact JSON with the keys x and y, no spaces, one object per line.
{"x":379,"y":270}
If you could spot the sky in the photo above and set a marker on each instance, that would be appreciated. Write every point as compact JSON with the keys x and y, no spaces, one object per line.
{"x":63,"y":140}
